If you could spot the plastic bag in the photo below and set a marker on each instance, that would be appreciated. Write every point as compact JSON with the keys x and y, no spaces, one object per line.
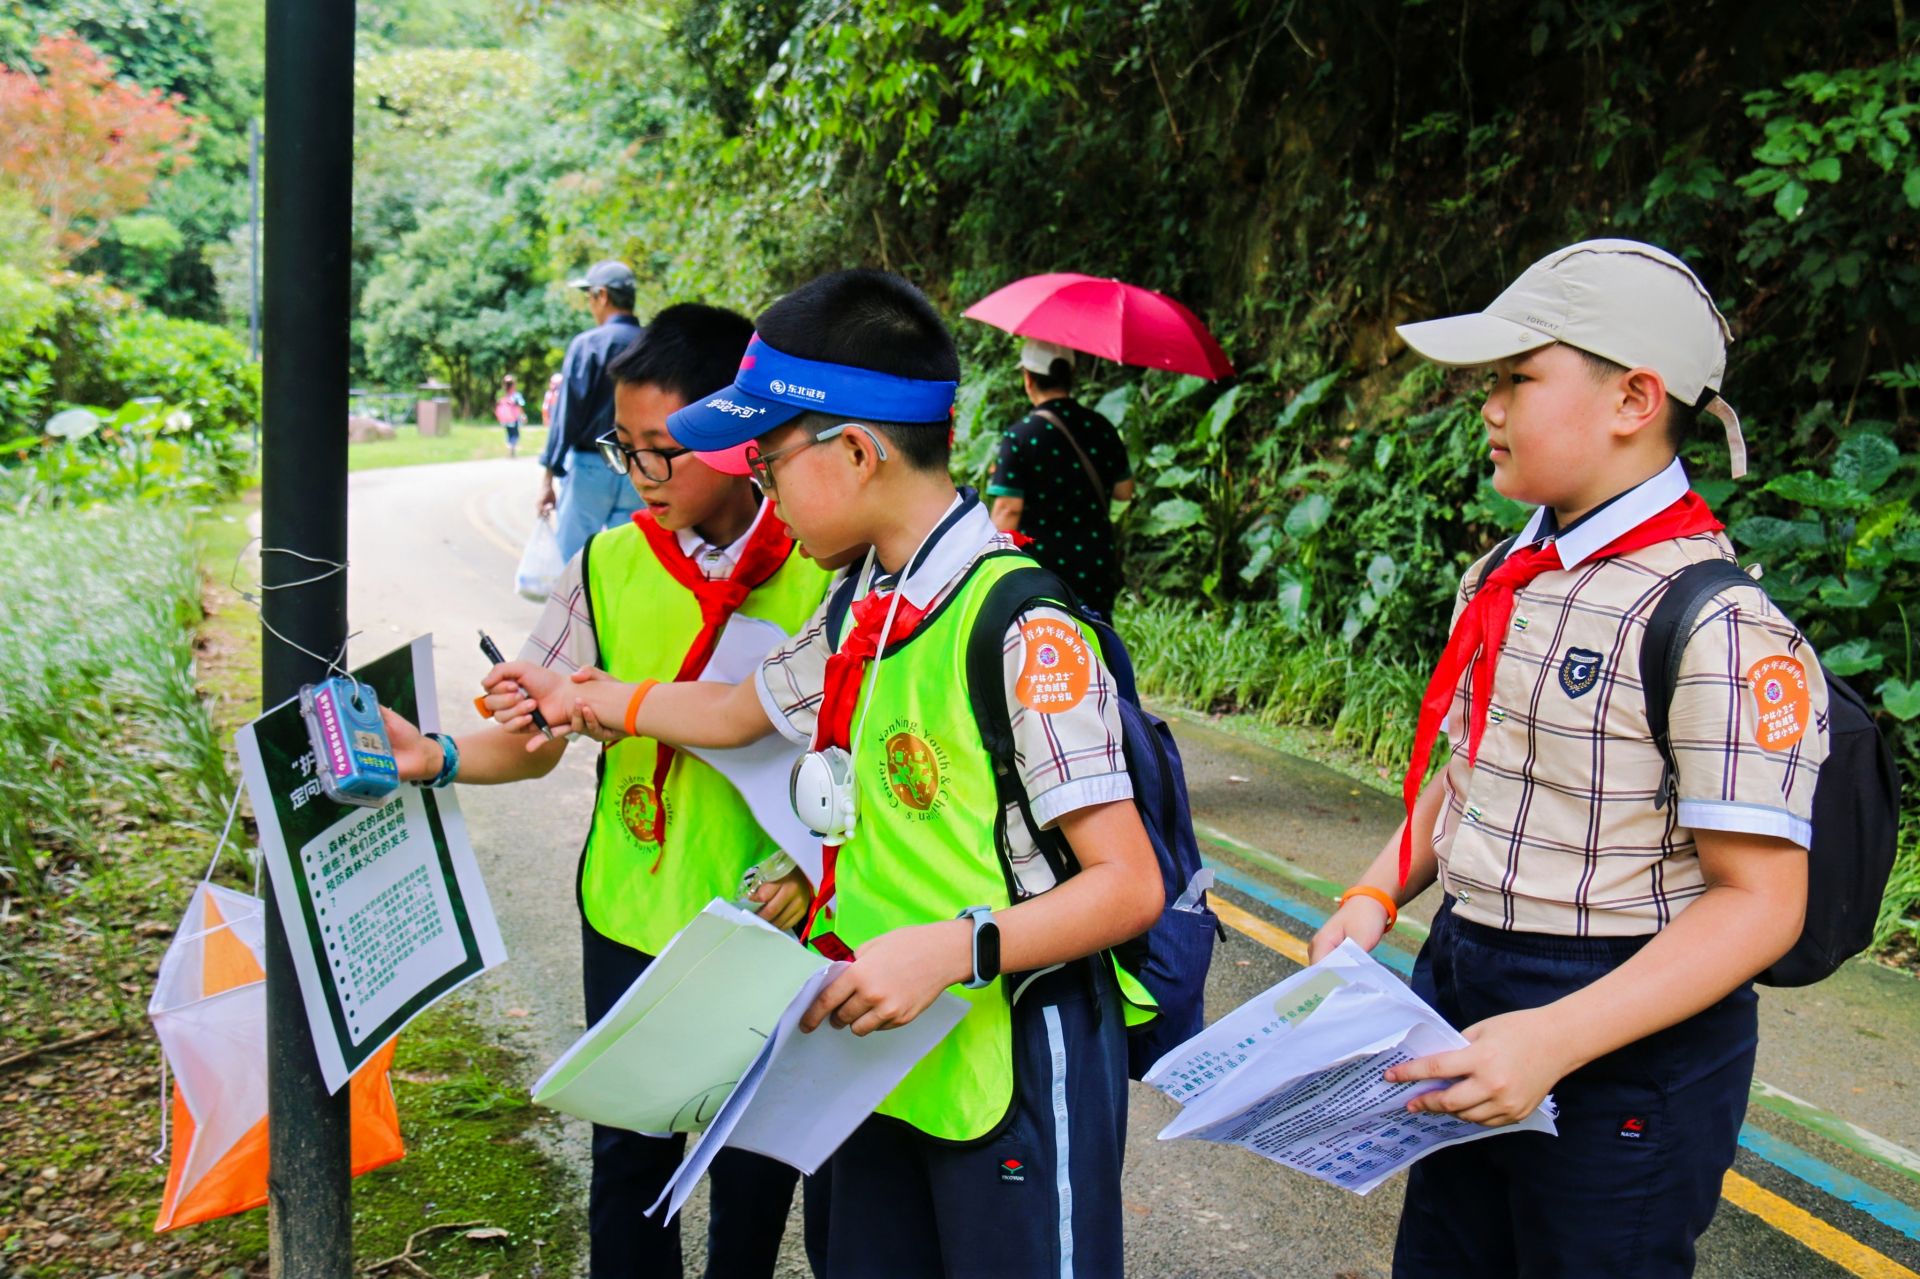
{"x":540,"y":562}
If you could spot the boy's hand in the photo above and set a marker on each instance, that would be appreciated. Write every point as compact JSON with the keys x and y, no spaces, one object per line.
{"x":515,"y":688}
{"x":785,"y":900}
{"x":583,"y":721}
{"x":895,"y":977}
{"x":417,"y":756}
{"x":1509,"y":1066}
{"x":1362,"y":921}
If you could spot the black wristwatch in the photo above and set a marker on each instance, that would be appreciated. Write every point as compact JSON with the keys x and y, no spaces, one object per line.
{"x":986,"y":945}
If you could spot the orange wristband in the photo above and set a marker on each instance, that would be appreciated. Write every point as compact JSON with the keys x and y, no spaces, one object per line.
{"x":633,"y":705}
{"x":1373,"y":894}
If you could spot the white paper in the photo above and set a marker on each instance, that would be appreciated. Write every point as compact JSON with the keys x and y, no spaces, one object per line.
{"x":382,"y":918}
{"x":805,"y":1094}
{"x":1294,"y":1075}
{"x":762,"y":770}
{"x":670,"y":1050}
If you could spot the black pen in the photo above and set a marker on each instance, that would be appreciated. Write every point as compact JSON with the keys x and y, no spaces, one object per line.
{"x":491,"y":652}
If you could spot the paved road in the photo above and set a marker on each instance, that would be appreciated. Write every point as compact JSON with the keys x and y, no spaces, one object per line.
{"x":433,"y":549}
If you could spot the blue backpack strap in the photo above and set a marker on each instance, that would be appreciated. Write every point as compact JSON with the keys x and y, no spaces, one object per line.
{"x":1665,"y":644}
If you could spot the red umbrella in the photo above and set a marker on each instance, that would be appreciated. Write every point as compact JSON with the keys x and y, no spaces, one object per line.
{"x":1116,"y":321}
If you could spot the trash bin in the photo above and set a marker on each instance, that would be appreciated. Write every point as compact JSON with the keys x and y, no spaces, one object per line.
{"x":433,"y":415}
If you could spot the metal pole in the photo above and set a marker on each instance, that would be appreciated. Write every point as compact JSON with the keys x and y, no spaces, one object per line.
{"x":309,"y":172}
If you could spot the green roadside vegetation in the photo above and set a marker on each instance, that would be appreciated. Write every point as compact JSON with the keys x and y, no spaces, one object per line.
{"x":126,"y":662}
{"x":468,"y":442}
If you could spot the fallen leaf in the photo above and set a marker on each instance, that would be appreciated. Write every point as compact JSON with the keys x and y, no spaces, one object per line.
{"x":1235,"y":777}
{"x":487,"y":1234}
{"x":518,"y":1012}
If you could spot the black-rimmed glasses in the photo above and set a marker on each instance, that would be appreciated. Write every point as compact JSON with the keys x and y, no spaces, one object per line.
{"x":655,"y":465}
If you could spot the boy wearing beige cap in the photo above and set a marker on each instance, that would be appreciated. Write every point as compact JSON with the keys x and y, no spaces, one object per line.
{"x":1603,"y":920}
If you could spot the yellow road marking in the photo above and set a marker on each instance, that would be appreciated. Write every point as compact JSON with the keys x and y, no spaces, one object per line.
{"x":1792,"y":1220}
{"x":484,"y":527}
{"x":1788,"y":1218}
{"x":1258,"y":929}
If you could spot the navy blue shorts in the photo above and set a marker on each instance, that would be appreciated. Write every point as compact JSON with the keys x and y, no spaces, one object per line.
{"x":1040,"y":1198}
{"x":1647,"y":1133}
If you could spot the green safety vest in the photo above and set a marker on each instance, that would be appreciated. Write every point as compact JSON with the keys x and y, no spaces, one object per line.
{"x":632,"y":889}
{"x":925,"y":848}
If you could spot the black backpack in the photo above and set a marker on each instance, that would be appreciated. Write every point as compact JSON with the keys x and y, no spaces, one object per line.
{"x":1856,"y":802}
{"x":1171,"y":959}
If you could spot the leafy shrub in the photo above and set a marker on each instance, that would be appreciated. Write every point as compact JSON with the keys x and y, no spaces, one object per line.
{"x":146,"y":451}
{"x":195,"y":366}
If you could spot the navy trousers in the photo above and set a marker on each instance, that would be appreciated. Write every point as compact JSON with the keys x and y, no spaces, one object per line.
{"x":750,"y":1195}
{"x":1039,"y":1198}
{"x":1646,"y":1133}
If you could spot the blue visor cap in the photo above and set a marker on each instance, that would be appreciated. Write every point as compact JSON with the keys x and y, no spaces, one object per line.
{"x":773,"y":388}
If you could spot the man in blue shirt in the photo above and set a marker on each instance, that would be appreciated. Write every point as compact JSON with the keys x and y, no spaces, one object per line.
{"x":593,"y":497}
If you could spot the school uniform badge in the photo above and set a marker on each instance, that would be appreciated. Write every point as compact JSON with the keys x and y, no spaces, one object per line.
{"x":1579,"y":672}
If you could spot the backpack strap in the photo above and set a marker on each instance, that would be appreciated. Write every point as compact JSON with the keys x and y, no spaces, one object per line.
{"x":1500,"y":553}
{"x":1665,"y":644}
{"x":839,"y":604}
{"x":1006,"y":599}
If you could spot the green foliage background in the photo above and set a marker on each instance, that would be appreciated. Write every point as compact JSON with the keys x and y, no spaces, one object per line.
{"x":1305,"y":177}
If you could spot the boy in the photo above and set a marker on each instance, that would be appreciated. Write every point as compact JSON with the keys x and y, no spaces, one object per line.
{"x":669,"y":834}
{"x":1595,"y":942}
{"x":999,"y":1154}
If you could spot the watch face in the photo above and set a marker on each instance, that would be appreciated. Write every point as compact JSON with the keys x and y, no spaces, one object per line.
{"x":986,"y":951}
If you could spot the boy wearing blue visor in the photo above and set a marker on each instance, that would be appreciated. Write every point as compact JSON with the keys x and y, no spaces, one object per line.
{"x":1016,"y":1121}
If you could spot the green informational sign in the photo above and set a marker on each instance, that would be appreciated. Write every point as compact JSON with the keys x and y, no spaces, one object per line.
{"x":384,"y":908}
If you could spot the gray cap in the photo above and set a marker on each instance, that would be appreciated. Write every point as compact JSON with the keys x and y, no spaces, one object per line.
{"x":1622,"y":300}
{"x":610,"y":274}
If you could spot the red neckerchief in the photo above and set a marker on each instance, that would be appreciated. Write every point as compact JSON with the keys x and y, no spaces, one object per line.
{"x":1482,"y":629}
{"x":766,"y":550}
{"x":840,"y":693}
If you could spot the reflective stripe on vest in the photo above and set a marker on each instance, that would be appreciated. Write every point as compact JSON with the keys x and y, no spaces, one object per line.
{"x":645,"y":622}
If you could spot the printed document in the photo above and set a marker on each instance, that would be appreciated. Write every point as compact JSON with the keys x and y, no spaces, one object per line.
{"x":1295,"y":1073}
{"x":707,"y":1041}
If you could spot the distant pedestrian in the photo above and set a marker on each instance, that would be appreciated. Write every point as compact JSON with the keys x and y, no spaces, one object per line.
{"x":1057,"y":470}
{"x":594,"y":496}
{"x":552,"y":399}
{"x":510,"y":411}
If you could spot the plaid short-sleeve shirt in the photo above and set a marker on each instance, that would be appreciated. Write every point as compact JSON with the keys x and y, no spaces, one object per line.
{"x":1554,"y":829}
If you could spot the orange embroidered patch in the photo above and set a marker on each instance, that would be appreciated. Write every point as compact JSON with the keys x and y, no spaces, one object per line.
{"x":1782,"y":700}
{"x":1058,"y":667}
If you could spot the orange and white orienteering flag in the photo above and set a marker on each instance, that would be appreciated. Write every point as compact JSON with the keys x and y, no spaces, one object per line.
{"x":210,"y":1011}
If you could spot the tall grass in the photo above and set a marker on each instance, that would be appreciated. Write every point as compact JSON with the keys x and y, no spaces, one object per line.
{"x":1246,"y":660}
{"x":100,"y":726}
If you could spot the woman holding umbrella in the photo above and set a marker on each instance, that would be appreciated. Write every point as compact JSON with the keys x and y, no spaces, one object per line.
{"x":1056,"y":471}
{"x":1060,"y":465}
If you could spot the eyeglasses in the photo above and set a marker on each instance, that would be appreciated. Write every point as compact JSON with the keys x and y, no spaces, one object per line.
{"x":761,"y":464}
{"x":655,"y":464}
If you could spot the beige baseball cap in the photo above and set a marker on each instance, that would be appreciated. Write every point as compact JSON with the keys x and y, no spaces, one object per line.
{"x":1038,"y":357}
{"x":1622,"y":300}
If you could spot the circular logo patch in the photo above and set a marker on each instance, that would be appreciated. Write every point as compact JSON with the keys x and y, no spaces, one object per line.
{"x":1048,"y":655}
{"x":640,"y":812}
{"x":913,"y":771}
{"x":777,"y":387}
